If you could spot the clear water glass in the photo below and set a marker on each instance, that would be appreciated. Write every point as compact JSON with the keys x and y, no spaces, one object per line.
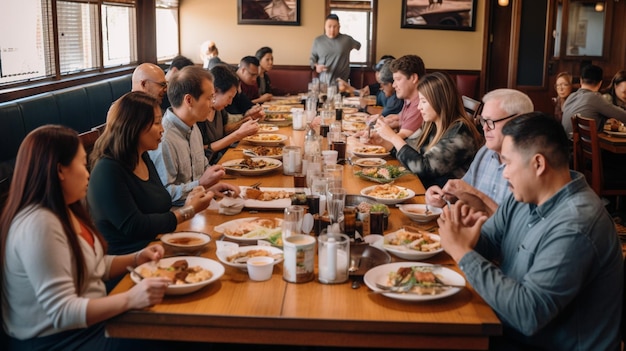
{"x":336,"y":199}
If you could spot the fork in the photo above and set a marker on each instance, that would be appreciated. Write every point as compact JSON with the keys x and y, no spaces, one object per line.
{"x":255,"y":185}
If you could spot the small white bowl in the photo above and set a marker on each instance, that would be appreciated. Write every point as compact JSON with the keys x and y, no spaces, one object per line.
{"x":417,"y":212}
{"x":260,"y":268}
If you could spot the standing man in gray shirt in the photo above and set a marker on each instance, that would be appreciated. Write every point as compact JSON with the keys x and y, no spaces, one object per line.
{"x":330,"y":54}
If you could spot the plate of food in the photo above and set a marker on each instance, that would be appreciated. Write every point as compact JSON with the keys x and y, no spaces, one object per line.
{"x":266,"y":198}
{"x":266,"y":139}
{"x":355,"y":117}
{"x":185,"y":242}
{"x":350,"y":126}
{"x":349,"y":110}
{"x":370,"y":151}
{"x":188,"y":273}
{"x":388,"y":194}
{"x":414,"y":281}
{"x":369,"y":162}
{"x":382,"y":174}
{"x":252,"y":166}
{"x":250,"y":229}
{"x":617,"y":134}
{"x":237,"y":256}
{"x":277,"y":108}
{"x":267,"y":151}
{"x":420,"y":212}
{"x":412,"y":244}
{"x":267,"y":128}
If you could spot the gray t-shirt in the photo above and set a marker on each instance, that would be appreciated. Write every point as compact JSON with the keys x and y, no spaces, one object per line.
{"x":335,"y":54}
{"x":589,"y":104}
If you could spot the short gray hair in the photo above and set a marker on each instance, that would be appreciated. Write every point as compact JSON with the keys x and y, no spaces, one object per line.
{"x":511,"y":101}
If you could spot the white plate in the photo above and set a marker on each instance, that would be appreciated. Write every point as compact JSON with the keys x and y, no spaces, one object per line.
{"x":272,"y":164}
{"x":370,"y":162}
{"x":222,"y":228}
{"x":200,"y":239}
{"x":350,"y":126}
{"x":417,"y":212}
{"x":267,"y":139}
{"x":267,"y":128}
{"x":355,"y":117}
{"x":278,"y":204}
{"x":276,"y":157}
{"x":363,"y":152}
{"x":403,"y":251}
{"x":215,"y":267}
{"x":379,"y":274}
{"x":224,"y":253}
{"x":388,"y":201}
{"x":617,"y":134}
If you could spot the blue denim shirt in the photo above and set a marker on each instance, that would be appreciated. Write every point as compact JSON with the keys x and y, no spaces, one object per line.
{"x":485,"y":174}
{"x":558,"y":285}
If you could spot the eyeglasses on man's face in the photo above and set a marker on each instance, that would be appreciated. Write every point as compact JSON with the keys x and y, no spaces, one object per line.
{"x":162,"y":84}
{"x":490,"y":123}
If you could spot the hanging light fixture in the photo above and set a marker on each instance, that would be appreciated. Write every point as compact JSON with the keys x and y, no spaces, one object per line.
{"x":505,"y":3}
{"x":599,"y":6}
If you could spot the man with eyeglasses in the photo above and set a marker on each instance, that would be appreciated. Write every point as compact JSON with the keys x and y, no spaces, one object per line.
{"x":150,"y":79}
{"x":483,"y":187}
{"x":246,"y":101}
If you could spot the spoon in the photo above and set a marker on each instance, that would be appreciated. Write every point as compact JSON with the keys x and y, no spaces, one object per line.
{"x":250,"y":153}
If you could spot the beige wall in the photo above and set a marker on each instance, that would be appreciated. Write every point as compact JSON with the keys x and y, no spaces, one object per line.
{"x":217,"y":20}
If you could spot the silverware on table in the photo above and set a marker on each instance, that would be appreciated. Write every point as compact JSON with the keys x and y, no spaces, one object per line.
{"x":133,"y":271}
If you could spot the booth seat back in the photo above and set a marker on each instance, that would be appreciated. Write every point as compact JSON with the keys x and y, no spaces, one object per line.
{"x":80,"y":108}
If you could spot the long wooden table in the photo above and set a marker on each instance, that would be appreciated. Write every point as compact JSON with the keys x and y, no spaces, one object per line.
{"x":612,"y":143}
{"x":237,"y":310}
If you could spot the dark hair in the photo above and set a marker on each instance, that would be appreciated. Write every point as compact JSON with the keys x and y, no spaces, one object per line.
{"x":408,"y":64}
{"x":383,"y":60}
{"x":537,"y":132}
{"x":187,"y":81}
{"x":618,"y":78}
{"x":180,"y":61}
{"x":441,"y":93}
{"x":129,"y":115}
{"x":591,"y":74}
{"x":249,"y":60}
{"x":36,"y":183}
{"x":262,"y":52}
{"x":332,"y":16}
{"x":224,"y":78}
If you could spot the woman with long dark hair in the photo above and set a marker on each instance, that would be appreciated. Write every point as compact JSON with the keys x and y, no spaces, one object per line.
{"x":449,"y":139}
{"x":52,"y":257}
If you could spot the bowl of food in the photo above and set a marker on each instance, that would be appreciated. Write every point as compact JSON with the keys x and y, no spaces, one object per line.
{"x":388,"y":194}
{"x":420,"y":212}
{"x":412,"y":245}
{"x":186,"y":242}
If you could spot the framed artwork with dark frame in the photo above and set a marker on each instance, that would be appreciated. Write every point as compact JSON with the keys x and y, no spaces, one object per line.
{"x":269,"y":12}
{"x":439,"y":14}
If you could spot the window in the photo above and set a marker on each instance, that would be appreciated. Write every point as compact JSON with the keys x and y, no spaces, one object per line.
{"x":357,"y":19}
{"x":92,"y":35}
{"x":167,"y":29}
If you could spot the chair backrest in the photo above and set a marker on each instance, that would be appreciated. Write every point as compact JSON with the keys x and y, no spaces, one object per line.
{"x":100,"y":128}
{"x":587,"y":157}
{"x":473,"y":109}
{"x":88,"y":139}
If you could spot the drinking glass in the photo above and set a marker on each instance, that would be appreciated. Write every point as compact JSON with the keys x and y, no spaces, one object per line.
{"x":334,"y":173}
{"x":292,"y":222}
{"x":311,"y":174}
{"x":336,"y":199}
{"x":319,"y":186}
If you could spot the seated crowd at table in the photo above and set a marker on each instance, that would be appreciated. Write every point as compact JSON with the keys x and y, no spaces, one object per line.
{"x":532,"y":238}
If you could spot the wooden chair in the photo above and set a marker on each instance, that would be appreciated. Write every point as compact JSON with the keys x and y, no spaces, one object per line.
{"x":473,"y":109}
{"x":88,"y":139}
{"x":100,"y":128}
{"x":588,"y":159}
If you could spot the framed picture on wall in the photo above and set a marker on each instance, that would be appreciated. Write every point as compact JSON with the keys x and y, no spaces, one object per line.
{"x":439,"y":14}
{"x":269,"y":12}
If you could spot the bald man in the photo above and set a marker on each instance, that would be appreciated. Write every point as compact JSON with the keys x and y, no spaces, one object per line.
{"x":150,"y":79}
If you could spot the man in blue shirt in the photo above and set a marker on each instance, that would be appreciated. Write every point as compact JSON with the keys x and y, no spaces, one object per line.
{"x":483,"y":186}
{"x":558,"y":280}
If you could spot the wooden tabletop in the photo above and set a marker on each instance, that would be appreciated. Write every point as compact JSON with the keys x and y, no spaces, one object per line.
{"x":238,"y":310}
{"x":611,"y":143}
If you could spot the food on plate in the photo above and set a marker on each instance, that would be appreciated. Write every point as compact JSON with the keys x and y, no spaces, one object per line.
{"x":267,"y":128}
{"x":364,"y":207}
{"x":265,"y":137}
{"x":615,"y":126}
{"x":370,"y":150}
{"x":416,"y":279}
{"x":370,"y":162}
{"x":247,"y":254}
{"x":256,"y":194}
{"x":185,"y":241}
{"x":419,"y":241}
{"x":386,"y":172}
{"x":179,"y":273}
{"x":249,"y":163}
{"x":267,"y":150}
{"x":388,"y":191}
{"x":257,"y":227}
{"x":277,"y":108}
